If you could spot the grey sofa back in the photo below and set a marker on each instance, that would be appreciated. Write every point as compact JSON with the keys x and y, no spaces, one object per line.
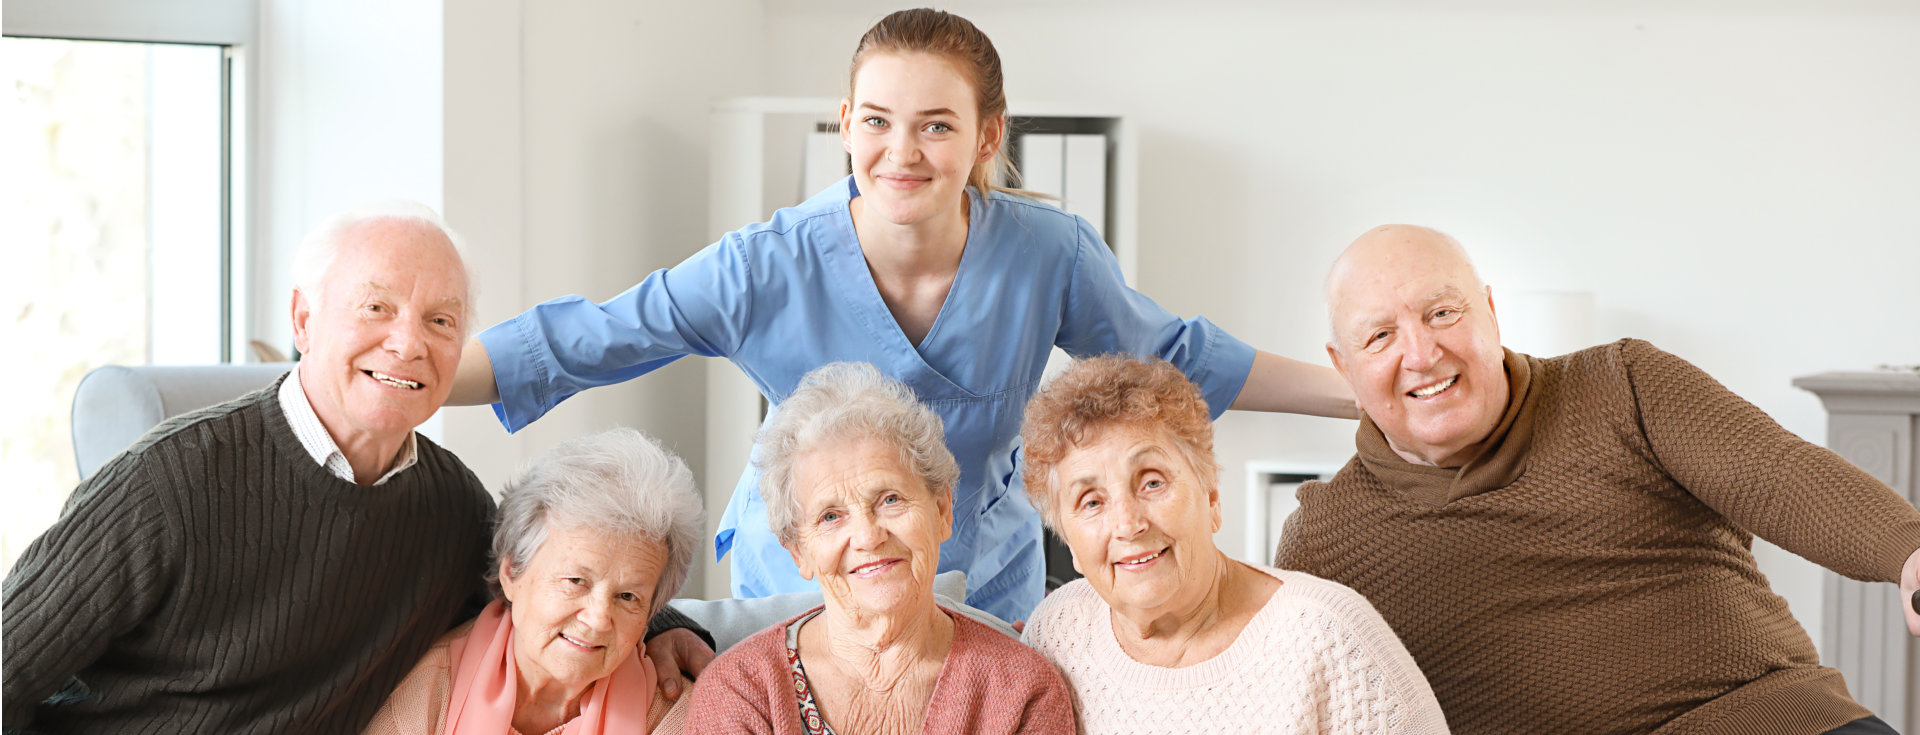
{"x":115,"y":405}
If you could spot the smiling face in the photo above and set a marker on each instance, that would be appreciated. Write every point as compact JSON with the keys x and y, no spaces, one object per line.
{"x":1139,"y":519}
{"x":869,"y":530}
{"x":382,"y":338}
{"x":913,"y":133}
{"x":1414,"y":333}
{"x":581,"y":604}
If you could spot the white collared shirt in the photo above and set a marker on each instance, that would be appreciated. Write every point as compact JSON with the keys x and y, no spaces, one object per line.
{"x":313,"y":435}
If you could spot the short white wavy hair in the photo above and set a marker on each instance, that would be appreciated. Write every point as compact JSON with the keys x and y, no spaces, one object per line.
{"x":844,"y":402}
{"x":319,"y":248}
{"x":620,"y":483}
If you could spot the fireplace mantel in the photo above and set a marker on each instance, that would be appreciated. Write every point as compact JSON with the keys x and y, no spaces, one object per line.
{"x":1873,"y":420}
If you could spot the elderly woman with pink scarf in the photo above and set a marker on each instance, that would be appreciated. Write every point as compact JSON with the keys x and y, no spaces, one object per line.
{"x":591,"y":540}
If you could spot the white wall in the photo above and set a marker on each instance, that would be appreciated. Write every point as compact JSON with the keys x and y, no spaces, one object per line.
{"x":348,"y":111}
{"x":576,"y":161}
{"x":1734,"y":184}
{"x":565,"y":142}
{"x":484,"y":181}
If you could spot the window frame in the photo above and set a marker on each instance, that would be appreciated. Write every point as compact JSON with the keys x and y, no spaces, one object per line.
{"x":230,"y":24}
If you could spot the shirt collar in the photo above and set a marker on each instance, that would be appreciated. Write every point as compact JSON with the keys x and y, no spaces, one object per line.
{"x":319,"y":444}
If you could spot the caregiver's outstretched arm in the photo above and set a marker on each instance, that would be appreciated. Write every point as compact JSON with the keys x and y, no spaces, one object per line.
{"x":1275,"y":383}
{"x":473,"y":383}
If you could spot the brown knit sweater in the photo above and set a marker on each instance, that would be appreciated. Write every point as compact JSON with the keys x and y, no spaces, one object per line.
{"x":1591,"y":571}
{"x":215,"y":579}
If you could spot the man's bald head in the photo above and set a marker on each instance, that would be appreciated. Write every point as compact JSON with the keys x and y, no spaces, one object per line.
{"x":1395,"y":247}
{"x":1414,"y":333}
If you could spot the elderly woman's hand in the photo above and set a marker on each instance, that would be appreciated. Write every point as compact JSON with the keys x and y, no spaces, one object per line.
{"x":676,"y":652}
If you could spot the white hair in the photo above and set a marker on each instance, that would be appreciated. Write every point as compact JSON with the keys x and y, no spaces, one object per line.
{"x":843,"y":402}
{"x":620,"y":483}
{"x":319,"y":248}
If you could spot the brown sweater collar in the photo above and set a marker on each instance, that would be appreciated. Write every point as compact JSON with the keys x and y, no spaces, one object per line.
{"x":1501,"y":461}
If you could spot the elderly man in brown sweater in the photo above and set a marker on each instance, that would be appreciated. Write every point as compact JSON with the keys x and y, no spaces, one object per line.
{"x":1563,"y":543}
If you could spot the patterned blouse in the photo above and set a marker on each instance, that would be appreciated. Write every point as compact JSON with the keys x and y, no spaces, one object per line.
{"x":809,"y":710}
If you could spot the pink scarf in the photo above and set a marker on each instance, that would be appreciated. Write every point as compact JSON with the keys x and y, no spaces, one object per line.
{"x":486,"y":685}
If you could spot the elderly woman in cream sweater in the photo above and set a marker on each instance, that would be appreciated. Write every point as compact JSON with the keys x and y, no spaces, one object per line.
{"x":1165,"y":634}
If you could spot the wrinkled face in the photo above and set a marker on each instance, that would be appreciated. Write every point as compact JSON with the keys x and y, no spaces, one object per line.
{"x":1415,"y":335}
{"x":869,"y":529}
{"x":382,"y":339}
{"x":1139,"y":519}
{"x":581,"y":604}
{"x":913,"y":132}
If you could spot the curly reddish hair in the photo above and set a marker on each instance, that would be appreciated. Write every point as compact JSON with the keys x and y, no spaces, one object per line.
{"x":1104,"y":392}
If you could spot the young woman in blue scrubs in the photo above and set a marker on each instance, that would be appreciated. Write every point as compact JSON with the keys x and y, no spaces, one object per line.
{"x":917,"y":265}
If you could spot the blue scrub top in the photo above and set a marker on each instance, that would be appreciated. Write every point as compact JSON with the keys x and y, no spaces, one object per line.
{"x":783,"y":297}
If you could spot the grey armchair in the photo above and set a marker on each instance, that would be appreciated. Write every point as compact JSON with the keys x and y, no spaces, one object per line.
{"x":115,"y":405}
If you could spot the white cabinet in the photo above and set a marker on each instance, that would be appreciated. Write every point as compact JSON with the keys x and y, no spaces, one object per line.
{"x":1270,"y":499}
{"x":760,"y":162}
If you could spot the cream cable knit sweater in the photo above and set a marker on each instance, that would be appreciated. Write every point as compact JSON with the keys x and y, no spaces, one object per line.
{"x":1316,"y":659}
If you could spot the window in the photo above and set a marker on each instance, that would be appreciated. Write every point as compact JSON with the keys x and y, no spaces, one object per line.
{"x":116,"y":231}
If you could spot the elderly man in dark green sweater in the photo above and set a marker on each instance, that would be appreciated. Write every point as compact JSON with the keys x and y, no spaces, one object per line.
{"x":1563,"y":543}
{"x":277,"y":563}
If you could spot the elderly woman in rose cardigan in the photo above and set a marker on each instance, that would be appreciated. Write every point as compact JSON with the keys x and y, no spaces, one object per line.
{"x":1166,"y":634}
{"x":858,"y":484}
{"x":592,"y":539}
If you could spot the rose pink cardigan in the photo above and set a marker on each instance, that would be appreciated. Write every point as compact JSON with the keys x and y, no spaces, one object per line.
{"x":989,"y":684}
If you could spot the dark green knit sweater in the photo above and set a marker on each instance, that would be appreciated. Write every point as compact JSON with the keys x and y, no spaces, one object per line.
{"x":215,"y":579}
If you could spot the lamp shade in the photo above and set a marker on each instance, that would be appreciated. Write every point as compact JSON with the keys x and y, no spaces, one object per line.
{"x":1545,"y":323}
